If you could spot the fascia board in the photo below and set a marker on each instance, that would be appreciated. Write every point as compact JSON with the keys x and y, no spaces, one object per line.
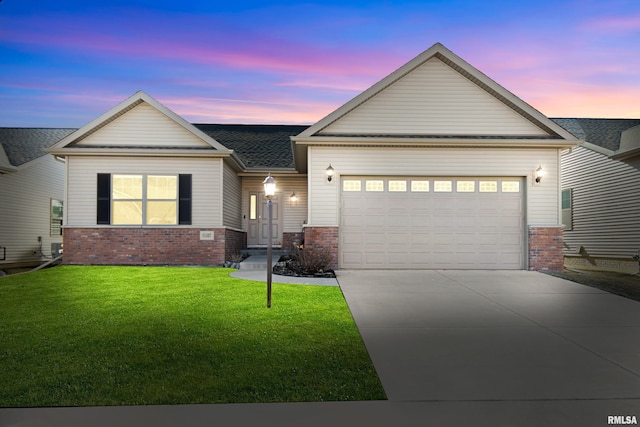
{"x":7,"y":169}
{"x":624,"y":155}
{"x":139,"y":152}
{"x":440,"y":142}
{"x":598,"y":149}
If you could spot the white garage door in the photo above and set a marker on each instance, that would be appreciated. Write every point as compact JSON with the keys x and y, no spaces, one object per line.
{"x":432,"y":223}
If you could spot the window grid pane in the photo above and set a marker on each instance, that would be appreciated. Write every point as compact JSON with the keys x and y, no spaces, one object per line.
{"x":397,"y":186}
{"x":488,"y":186}
{"x":566,"y":199}
{"x":442,"y":186}
{"x":253,"y":206}
{"x":510,"y":186}
{"x":127,"y":213}
{"x":161,"y":212}
{"x":352,"y":185}
{"x":466,"y":186}
{"x":127,"y":187}
{"x":162,"y":187}
{"x":420,"y":186}
{"x":375,"y":185}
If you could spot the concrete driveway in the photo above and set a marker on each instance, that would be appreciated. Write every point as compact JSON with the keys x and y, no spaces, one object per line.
{"x":516,"y":337}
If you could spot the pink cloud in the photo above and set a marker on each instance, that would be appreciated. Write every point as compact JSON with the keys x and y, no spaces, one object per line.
{"x":218,"y":110}
{"x":614,"y":25}
{"x":231,"y":48}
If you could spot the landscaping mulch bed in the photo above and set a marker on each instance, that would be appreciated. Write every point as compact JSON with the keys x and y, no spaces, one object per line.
{"x":626,"y":285}
{"x":290,"y":266}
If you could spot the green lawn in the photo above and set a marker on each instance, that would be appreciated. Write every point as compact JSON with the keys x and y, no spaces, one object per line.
{"x":84,"y":336}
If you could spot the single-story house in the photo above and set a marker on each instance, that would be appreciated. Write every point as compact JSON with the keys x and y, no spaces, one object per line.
{"x":435,"y":166}
{"x":31,"y":196}
{"x":601,"y":195}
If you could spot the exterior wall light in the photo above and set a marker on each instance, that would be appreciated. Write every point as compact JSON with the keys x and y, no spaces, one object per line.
{"x":539,"y":174}
{"x":293,"y":197}
{"x":329,"y":172}
{"x":269,"y":191}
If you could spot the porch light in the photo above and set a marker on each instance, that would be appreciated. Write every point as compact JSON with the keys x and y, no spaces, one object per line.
{"x":329,"y":171}
{"x":539,"y":174}
{"x":293,"y":197}
{"x":269,"y":191}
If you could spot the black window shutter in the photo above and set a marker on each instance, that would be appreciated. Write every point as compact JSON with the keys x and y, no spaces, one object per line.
{"x":184,"y":199}
{"x":104,"y":198}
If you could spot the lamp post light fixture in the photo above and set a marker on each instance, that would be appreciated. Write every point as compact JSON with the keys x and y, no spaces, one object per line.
{"x":269,"y":190}
{"x":329,"y":172}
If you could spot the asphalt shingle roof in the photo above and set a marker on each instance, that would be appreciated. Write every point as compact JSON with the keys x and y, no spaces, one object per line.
{"x":602,"y":132}
{"x":258,"y":146}
{"x":25,"y":144}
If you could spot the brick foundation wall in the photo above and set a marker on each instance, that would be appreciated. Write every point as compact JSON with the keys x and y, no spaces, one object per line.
{"x":545,"y":249}
{"x":235,"y":241}
{"x":148,"y":246}
{"x":322,"y":237}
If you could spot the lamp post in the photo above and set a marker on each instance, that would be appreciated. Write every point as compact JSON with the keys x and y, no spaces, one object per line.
{"x":269,"y":190}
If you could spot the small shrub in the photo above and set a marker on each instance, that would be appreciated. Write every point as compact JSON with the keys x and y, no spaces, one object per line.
{"x":314,"y":260}
{"x":236,"y":256}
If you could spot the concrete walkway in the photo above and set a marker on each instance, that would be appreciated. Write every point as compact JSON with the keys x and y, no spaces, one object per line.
{"x":477,"y":348}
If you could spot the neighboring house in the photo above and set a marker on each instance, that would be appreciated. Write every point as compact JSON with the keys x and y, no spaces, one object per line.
{"x":31,"y":196}
{"x":601,"y":195}
{"x":435,"y":166}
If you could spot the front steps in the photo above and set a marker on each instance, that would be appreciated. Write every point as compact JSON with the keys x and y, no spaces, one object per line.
{"x":257,"y":259}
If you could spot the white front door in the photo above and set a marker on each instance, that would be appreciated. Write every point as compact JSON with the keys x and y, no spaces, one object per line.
{"x":258,"y":220}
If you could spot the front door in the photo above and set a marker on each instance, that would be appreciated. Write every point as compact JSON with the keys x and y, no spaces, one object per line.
{"x":258,"y":220}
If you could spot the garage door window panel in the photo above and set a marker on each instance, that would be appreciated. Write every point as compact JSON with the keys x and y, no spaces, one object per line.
{"x":442,"y":186}
{"x":374,"y":185}
{"x":418,"y":186}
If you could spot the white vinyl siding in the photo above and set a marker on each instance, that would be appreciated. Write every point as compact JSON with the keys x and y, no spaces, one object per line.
{"x":232,"y":200}
{"x":82,"y":177}
{"x":294,"y":213}
{"x":542,"y":201}
{"x":143,"y":126}
{"x":606,"y":203}
{"x":433,"y":99}
{"x":25,"y":197}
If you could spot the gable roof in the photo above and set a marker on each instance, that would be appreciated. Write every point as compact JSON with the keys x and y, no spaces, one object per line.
{"x":22,"y":145}
{"x":83,"y":141}
{"x":421,"y":72}
{"x":258,"y":146}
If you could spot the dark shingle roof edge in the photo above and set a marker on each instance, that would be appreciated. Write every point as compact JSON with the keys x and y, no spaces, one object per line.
{"x":23,"y":145}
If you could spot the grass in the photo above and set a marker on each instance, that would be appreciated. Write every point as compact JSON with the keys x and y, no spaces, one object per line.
{"x":92,"y":336}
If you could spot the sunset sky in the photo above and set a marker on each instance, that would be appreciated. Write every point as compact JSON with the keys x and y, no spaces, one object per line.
{"x":65,"y":62}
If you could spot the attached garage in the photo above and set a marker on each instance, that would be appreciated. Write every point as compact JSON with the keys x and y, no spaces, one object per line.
{"x":432,"y":223}
{"x":436,"y":166}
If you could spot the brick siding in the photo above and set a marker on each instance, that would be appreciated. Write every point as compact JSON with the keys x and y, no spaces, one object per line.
{"x":545,"y":249}
{"x":149,"y":246}
{"x":322,"y":237}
